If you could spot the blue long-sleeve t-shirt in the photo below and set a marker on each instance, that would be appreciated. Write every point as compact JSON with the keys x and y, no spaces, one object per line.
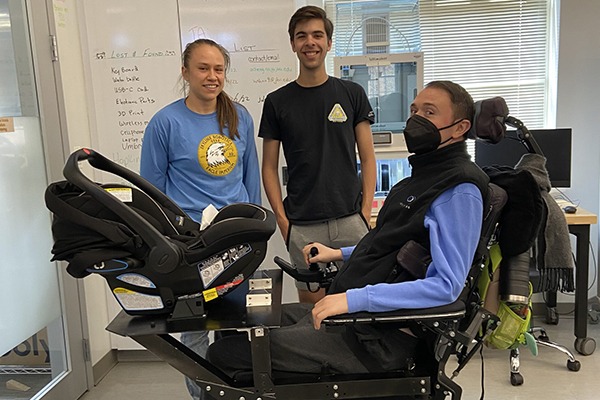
{"x":187,"y":158}
{"x":454,"y":224}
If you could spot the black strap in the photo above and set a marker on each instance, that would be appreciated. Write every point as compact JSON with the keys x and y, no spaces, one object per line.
{"x":482,"y":374}
{"x":83,"y":260}
{"x":114,"y":231}
{"x":370,"y":362}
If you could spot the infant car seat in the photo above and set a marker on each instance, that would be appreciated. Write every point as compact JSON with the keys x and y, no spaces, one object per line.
{"x":154,"y":257}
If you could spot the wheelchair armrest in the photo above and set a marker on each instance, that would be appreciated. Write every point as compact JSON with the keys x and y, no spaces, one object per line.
{"x":454,"y":310}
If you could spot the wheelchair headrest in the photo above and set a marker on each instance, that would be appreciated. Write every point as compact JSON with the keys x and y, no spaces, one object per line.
{"x":488,"y":122}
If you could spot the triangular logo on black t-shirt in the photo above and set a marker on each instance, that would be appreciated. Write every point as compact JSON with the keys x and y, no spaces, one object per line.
{"x":337,"y":114}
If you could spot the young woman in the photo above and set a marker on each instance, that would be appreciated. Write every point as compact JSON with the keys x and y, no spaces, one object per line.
{"x":200,"y":149}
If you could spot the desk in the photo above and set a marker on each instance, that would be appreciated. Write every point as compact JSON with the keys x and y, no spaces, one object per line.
{"x":579,"y":226}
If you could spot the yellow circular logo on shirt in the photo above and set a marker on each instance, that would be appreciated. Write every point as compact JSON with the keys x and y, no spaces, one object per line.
{"x":217,"y":154}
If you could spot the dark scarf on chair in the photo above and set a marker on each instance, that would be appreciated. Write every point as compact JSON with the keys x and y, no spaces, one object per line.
{"x":554,"y":259}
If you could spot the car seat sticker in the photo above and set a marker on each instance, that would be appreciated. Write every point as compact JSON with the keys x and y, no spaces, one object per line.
{"x":221,"y":290}
{"x":131,"y":300}
{"x":123,"y":194}
{"x":136,"y":280}
{"x":211,"y":268}
{"x":210,"y":294}
{"x":210,"y":272}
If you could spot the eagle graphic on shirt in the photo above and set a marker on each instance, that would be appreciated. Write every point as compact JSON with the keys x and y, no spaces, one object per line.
{"x":217,"y":154}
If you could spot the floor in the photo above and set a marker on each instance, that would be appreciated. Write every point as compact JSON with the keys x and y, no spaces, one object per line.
{"x":546,"y":375}
{"x":20,"y":383}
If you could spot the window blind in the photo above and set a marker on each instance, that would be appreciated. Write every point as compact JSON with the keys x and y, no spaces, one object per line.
{"x":502,"y":48}
{"x":355,"y":20}
{"x":492,"y":48}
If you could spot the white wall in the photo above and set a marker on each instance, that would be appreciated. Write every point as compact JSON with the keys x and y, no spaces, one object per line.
{"x":577,"y":105}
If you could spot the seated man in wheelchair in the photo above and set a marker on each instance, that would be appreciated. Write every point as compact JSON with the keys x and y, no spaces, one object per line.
{"x":417,"y":256}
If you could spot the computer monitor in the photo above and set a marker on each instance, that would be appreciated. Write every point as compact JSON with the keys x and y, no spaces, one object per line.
{"x":554,"y":143}
{"x":391,"y":82}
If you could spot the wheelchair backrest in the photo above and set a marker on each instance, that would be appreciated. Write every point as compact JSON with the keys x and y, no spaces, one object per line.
{"x":496,"y":200}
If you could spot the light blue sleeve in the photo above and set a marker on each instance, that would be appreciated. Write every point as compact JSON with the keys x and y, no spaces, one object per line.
{"x":251,"y":169}
{"x":154,"y":160}
{"x":347,"y":252}
{"x":454,"y":222}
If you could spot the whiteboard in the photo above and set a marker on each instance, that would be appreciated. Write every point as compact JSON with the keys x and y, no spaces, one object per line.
{"x":132,"y":50}
{"x":132,"y":56}
{"x":255,"y":34}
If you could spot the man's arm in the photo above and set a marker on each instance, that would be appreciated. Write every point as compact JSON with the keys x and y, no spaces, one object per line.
{"x":366,"y":153}
{"x":324,"y":254}
{"x":333,"y":304}
{"x":454,"y":222}
{"x":270,"y":175}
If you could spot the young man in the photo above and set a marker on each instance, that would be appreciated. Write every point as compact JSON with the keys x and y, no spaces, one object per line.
{"x":436,"y":214}
{"x":319,"y":120}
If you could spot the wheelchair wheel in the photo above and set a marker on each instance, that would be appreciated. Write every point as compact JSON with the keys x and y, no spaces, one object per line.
{"x":516,"y":379}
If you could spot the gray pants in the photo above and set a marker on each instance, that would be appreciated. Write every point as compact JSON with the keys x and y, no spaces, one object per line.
{"x":298,"y":347}
{"x":198,"y":342}
{"x":341,"y":232}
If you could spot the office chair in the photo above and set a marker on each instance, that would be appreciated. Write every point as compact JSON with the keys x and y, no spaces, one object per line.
{"x":539,"y":334}
{"x":491,"y":116}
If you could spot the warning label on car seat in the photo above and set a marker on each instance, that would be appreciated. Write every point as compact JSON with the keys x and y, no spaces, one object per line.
{"x":131,"y":300}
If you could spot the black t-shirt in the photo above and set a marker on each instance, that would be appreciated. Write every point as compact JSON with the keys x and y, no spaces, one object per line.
{"x":316,"y":128}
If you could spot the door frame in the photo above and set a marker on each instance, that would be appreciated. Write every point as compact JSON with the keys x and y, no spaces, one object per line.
{"x":77,"y":378}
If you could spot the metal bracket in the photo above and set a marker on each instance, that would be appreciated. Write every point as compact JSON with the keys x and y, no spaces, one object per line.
{"x":258,"y":298}
{"x":262,"y":283}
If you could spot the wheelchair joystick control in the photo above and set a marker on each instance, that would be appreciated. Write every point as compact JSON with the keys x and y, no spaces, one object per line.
{"x":313,"y":266}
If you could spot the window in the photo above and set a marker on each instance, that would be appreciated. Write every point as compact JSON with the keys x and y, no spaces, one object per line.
{"x":502,"y":48}
{"x":365,"y":27}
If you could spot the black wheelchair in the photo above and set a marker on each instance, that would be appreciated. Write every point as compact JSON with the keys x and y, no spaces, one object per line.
{"x":171,"y":276}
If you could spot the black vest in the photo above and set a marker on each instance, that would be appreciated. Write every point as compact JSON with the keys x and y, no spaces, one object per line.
{"x":403,"y":214}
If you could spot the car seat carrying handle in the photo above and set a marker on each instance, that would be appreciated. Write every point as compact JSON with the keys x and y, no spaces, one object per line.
{"x":164,"y":256}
